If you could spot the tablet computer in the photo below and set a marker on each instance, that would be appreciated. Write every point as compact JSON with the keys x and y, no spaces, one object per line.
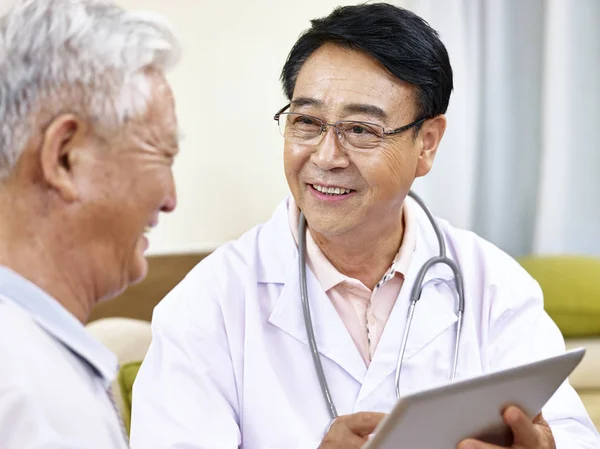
{"x":442,"y":417}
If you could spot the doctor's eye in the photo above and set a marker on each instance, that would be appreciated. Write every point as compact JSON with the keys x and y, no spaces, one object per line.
{"x":304,"y":126}
{"x":304,"y":120}
{"x":361,"y":130}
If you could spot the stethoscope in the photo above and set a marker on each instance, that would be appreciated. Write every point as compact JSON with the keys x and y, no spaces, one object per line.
{"x":415,"y":295}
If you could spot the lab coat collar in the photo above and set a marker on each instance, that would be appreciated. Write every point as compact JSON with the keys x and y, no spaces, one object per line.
{"x":333,"y":339}
{"x":59,"y":323}
{"x":427,"y":246}
{"x":434,"y":313}
{"x":279,"y":264}
{"x":278,"y":251}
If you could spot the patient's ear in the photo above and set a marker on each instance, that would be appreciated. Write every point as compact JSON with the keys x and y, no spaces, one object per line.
{"x":63,"y":144}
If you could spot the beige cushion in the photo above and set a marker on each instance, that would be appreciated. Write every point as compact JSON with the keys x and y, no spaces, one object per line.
{"x":127,"y":338}
{"x":587,"y":374}
{"x":586,"y":377}
{"x":591,"y":400}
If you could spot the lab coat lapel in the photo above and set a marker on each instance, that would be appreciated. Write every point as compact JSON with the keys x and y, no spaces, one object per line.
{"x":333,"y":339}
{"x":434,"y":313}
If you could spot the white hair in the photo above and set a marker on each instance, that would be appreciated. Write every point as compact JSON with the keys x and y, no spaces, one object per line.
{"x":88,"y":57}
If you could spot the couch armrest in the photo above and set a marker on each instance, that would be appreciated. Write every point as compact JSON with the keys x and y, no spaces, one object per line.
{"x":587,"y":375}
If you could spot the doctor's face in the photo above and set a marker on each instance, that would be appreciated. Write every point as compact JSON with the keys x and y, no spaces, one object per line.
{"x":365,"y":187}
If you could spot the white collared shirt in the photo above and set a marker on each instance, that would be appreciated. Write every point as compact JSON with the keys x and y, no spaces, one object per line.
{"x":54,"y":376}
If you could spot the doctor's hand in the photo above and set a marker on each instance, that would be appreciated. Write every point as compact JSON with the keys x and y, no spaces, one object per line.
{"x":351,"y":431}
{"x":527,"y":434}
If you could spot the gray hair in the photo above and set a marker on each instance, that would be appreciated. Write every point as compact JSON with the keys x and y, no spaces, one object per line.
{"x":88,"y":57}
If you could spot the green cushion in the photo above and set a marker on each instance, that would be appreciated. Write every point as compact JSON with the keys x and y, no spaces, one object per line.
{"x":127,"y":375}
{"x":571,"y":287}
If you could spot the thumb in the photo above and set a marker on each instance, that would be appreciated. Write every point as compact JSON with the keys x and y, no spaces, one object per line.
{"x":522,"y":427}
{"x":363,"y":423}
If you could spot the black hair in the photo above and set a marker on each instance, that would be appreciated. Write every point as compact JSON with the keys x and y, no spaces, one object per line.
{"x":400,"y":40}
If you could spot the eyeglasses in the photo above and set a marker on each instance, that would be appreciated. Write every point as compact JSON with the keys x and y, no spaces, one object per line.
{"x":353,"y":135}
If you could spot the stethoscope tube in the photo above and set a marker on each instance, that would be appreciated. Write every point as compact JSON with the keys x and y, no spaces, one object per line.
{"x":312,"y":342}
{"x":414,"y":298}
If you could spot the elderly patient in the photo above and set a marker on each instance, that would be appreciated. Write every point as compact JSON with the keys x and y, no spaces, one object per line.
{"x":87,"y":142}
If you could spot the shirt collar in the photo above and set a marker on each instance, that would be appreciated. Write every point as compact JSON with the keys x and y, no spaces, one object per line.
{"x":405,"y":253}
{"x":328,"y":276}
{"x":59,"y":323}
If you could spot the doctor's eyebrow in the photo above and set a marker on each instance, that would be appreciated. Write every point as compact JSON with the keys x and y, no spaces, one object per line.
{"x":367,"y":109}
{"x":348,"y":109}
{"x":306,"y":101}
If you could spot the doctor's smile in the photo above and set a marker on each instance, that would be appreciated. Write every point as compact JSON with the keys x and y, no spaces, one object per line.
{"x":330,"y":193}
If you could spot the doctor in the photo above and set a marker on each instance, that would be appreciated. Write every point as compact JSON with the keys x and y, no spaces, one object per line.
{"x":230,"y":364}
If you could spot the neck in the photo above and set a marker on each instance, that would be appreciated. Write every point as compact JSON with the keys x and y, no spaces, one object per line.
{"x":39,"y":256}
{"x":364,"y":254}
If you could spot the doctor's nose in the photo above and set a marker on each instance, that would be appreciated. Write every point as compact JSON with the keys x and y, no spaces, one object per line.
{"x":329,"y":152}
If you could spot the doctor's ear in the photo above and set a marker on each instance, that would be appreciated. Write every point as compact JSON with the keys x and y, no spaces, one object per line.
{"x":63,"y":143}
{"x":428,"y":140}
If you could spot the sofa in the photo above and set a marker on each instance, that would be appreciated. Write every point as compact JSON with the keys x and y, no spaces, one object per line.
{"x":571,"y":291}
{"x":571,"y":287}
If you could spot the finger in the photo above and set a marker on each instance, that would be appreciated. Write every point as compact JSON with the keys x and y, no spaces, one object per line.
{"x":544,"y":431}
{"x":352,"y":441}
{"x":363,"y":423}
{"x":523,"y":429}
{"x":476,"y":444}
{"x":514,"y":415}
{"x":539,"y":419}
{"x":341,"y":438}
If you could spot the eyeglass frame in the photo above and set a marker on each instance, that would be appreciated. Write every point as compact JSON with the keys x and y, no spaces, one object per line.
{"x":324,"y":124}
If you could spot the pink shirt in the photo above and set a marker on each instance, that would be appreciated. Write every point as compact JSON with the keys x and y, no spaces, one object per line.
{"x":363,"y":311}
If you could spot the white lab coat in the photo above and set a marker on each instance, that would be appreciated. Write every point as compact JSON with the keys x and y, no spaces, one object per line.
{"x":229,"y":365}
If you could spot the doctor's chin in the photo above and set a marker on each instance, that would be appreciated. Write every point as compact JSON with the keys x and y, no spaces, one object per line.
{"x":299,"y":225}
